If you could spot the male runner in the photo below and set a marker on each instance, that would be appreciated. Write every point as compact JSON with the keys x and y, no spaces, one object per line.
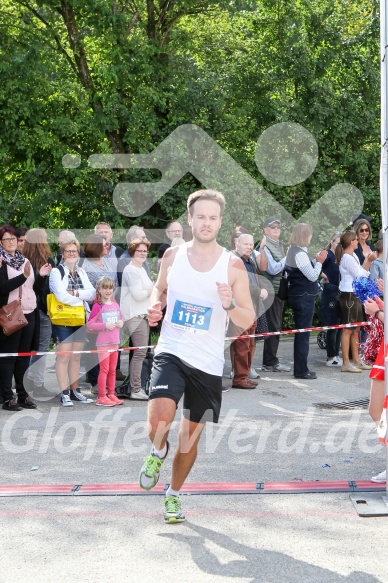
{"x":202,"y":284}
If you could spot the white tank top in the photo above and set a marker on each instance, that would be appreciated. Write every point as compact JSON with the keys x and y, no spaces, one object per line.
{"x":195,"y":322}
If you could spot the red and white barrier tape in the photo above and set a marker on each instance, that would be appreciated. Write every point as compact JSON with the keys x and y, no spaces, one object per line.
{"x":300,"y":330}
{"x":262,"y":335}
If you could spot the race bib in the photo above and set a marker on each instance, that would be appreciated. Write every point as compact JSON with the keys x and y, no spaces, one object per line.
{"x":110,"y":317}
{"x":191,"y":317}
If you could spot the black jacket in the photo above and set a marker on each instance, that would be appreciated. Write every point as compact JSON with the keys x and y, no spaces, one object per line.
{"x":8,"y":285}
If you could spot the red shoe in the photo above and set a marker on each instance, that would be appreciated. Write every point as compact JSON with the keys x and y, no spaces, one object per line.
{"x":104,"y":402}
{"x":115,"y":400}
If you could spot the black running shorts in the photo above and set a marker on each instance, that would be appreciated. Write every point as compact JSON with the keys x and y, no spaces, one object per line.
{"x":171,"y":378}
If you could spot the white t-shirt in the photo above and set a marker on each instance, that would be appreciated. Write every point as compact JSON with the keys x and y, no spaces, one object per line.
{"x":350,"y":269}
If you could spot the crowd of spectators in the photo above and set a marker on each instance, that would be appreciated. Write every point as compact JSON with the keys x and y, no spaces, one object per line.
{"x":29,"y":268}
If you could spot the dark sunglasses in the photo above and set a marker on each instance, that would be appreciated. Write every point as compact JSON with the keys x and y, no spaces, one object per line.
{"x":364,"y":230}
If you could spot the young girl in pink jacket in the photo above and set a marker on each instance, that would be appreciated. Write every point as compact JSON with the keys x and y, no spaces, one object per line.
{"x":106,"y":320}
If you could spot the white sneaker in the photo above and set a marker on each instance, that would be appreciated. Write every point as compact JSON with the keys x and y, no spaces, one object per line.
{"x":339,"y":359}
{"x":66,"y":401}
{"x":334,"y":362}
{"x":253,"y":374}
{"x":139,"y":395}
{"x":381,"y":478}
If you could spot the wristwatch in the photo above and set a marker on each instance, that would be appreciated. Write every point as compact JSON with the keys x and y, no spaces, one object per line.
{"x":231,"y":307}
{"x":377,"y":312}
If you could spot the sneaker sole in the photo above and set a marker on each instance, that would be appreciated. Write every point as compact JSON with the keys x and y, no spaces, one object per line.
{"x":147,"y":488}
{"x":138,"y":399}
{"x":102,"y":405}
{"x":173,"y":520}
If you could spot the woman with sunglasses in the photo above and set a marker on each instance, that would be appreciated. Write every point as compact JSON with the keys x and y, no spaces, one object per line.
{"x":364,"y":247}
{"x":364,"y":235}
{"x":16,"y":274}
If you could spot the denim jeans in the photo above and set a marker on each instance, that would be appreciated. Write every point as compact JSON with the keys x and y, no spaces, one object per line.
{"x":37,"y":366}
{"x":303,"y":310}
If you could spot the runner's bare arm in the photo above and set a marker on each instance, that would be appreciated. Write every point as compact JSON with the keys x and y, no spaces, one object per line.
{"x":237,"y":289}
{"x":158,"y":296}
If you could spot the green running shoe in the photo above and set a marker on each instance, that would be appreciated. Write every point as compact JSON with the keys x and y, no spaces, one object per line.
{"x":150,"y":472}
{"x":173,"y":510}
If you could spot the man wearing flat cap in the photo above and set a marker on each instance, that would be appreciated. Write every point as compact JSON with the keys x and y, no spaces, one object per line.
{"x":276,"y":256}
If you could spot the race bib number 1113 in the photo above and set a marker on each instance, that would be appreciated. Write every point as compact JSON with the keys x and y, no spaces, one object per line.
{"x":191,"y":317}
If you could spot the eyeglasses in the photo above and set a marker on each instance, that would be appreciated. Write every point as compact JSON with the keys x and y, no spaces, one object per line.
{"x":277,"y":227}
{"x":9,"y":240}
{"x":71,"y":252}
{"x":364,"y":230}
{"x":175,"y":231}
{"x":141,"y":251}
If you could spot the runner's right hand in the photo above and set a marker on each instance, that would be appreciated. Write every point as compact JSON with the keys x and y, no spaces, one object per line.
{"x":155,"y":313}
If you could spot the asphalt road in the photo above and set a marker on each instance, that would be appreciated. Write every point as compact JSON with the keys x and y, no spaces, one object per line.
{"x":275,"y":433}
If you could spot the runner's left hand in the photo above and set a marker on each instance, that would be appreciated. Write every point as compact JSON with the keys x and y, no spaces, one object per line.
{"x":225,"y":293}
